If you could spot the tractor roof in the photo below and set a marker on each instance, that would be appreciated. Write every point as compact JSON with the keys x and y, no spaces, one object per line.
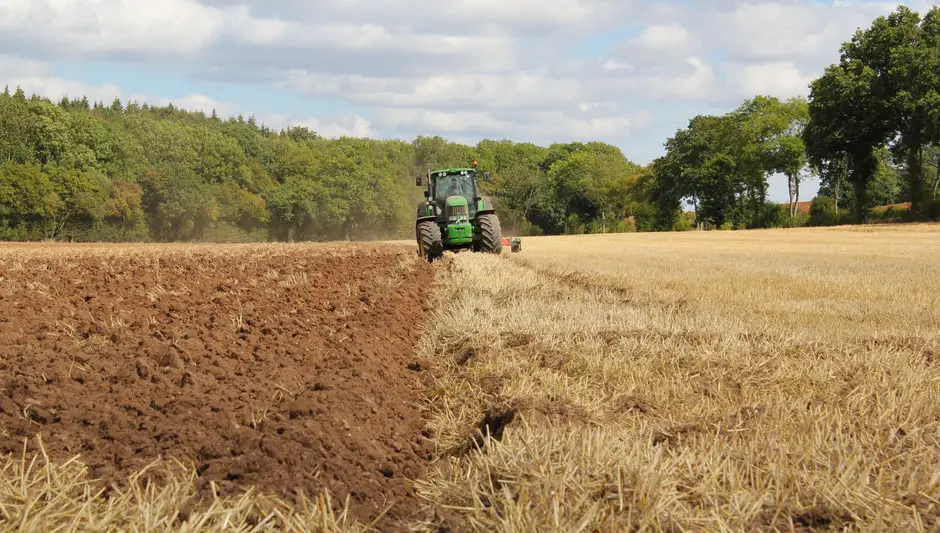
{"x":452,"y":170}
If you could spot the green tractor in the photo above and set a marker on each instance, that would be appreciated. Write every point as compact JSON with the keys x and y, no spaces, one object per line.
{"x":455,"y":215}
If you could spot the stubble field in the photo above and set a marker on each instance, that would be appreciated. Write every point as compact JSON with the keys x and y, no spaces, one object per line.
{"x":721,"y":381}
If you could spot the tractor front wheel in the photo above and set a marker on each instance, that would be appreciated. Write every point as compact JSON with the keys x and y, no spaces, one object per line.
{"x":491,"y":235}
{"x":430,"y":245}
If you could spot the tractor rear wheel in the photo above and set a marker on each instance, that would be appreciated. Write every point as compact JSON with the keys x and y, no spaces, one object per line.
{"x":491,"y":235}
{"x":429,"y":240}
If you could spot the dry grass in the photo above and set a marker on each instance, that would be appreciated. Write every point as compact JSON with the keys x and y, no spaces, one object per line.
{"x":739,"y":381}
{"x":38,"y":494}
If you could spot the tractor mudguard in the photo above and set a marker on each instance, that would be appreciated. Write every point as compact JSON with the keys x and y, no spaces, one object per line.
{"x":485,"y":205}
{"x":425,"y":211}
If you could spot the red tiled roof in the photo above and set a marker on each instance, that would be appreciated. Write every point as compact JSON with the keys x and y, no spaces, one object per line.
{"x":902,"y":205}
{"x":801,"y":207}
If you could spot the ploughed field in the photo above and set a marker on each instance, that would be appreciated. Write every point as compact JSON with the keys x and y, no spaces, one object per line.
{"x":282,"y":367}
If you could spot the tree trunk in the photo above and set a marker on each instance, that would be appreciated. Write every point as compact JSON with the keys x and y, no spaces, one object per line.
{"x":790,"y":190}
{"x":863,"y":169}
{"x":838,"y":182}
{"x":936,"y":182}
{"x":915,"y":172}
{"x":860,"y":199}
{"x":796,"y":196}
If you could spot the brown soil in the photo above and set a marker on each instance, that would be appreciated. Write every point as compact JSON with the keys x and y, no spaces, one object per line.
{"x":282,"y":367}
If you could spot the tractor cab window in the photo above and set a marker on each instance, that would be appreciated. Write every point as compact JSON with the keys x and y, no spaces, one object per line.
{"x":455,"y":185}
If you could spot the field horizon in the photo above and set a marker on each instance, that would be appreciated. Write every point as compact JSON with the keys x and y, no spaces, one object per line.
{"x":756,"y":380}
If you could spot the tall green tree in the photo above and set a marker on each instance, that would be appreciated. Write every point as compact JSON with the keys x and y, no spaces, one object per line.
{"x":789,"y":150}
{"x":518,"y":181}
{"x":590,"y":187}
{"x":846,"y":124}
{"x":703,"y":163}
{"x":883,"y":91}
{"x":905,"y":54}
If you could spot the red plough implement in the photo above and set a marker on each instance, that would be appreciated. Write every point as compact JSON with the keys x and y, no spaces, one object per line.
{"x":514,"y":244}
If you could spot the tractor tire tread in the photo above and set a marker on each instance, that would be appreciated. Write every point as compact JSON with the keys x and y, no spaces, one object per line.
{"x":429,"y":236}
{"x":491,"y":240}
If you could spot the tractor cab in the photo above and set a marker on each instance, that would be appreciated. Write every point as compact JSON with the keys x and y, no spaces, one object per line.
{"x":455,"y":182}
{"x":455,"y":193}
{"x":442,"y":184}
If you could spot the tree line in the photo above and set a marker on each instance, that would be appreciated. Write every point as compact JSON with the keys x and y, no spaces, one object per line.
{"x":870,"y":130}
{"x":77,"y":170}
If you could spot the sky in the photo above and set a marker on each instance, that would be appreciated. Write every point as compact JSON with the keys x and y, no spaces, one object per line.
{"x":626,"y":72}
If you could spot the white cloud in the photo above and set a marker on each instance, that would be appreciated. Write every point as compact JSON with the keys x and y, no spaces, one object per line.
{"x":77,"y":27}
{"x":476,"y":91}
{"x":664,"y":38}
{"x":539,"y":126}
{"x":12,"y":67}
{"x":359,"y":37}
{"x":615,"y":65}
{"x":426,"y":121}
{"x":606,"y":127}
{"x":334,"y":126}
{"x":55,"y":88}
{"x":189,"y":102}
{"x":460,"y":16}
{"x":35,"y":78}
{"x":774,"y":31}
{"x":557,"y":11}
{"x":782,"y":79}
{"x":261,"y":31}
{"x":805,"y":32}
{"x":694,"y":82}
